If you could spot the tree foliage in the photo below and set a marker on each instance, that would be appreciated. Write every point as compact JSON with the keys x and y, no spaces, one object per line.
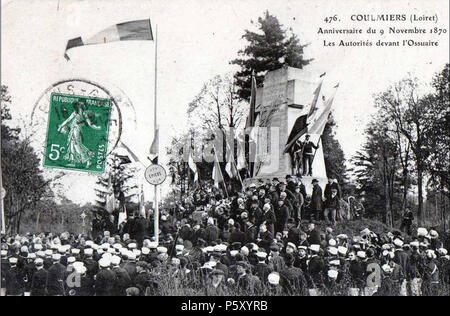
{"x":270,"y":48}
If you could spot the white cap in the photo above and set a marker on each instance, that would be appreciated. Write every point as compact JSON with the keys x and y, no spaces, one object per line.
{"x":145,"y":251}
{"x":181,"y":247}
{"x":71,"y":260}
{"x":333,"y":274}
{"x":434,"y":234}
{"x":153,"y":245}
{"x":333,"y":250}
{"x":290,"y":244}
{"x":80,"y":269}
{"x":245,"y":251}
{"x":24,"y":249}
{"x":117,"y":246}
{"x":261,"y":255}
{"x":162,"y":249}
{"x":361,"y":254}
{"x":12,"y":260}
{"x":4,"y":253}
{"x":398,"y":242}
{"x":56,"y":257}
{"x":342,"y":250}
{"x":386,"y":268}
{"x":88,"y":251}
{"x":210,"y":221}
{"x":132,"y":246}
{"x":274,"y":278}
{"x":443,"y":251}
{"x":335,"y":262}
{"x":414,"y":244}
{"x":115,"y":260}
{"x":314,"y":247}
{"x":234,"y":253}
{"x":75,"y":251}
{"x":104,"y":262}
{"x":39,"y":262}
{"x":332,"y":242}
{"x":37,"y":247}
{"x":422,"y":232}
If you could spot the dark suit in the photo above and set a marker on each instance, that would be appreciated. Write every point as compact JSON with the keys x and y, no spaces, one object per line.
{"x":55,"y":280}
{"x":105,"y":282}
{"x":39,"y":283}
{"x":316,"y":201}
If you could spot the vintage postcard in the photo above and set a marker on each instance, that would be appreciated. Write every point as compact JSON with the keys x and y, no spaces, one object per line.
{"x":215,"y":150}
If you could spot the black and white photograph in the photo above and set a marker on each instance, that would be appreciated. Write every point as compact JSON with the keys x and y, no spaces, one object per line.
{"x":225,"y":153}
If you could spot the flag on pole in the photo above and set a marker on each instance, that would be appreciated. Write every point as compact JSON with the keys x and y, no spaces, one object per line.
{"x":142,"y":201}
{"x":110,"y":198}
{"x":217,"y":174}
{"x":154,"y":149}
{"x":315,"y":98}
{"x":122,"y":216}
{"x":318,"y":125}
{"x":251,"y":116}
{"x":193,"y":167}
{"x":231,"y":169}
{"x":241,"y":164}
{"x":139,"y":30}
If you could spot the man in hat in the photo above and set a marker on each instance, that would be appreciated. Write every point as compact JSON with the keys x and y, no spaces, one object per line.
{"x":105,"y":279}
{"x":13,"y":279}
{"x":55,"y":280}
{"x":39,"y":281}
{"x":316,"y":200}
{"x":293,"y":279}
{"x":308,"y":155}
{"x":407,"y":221}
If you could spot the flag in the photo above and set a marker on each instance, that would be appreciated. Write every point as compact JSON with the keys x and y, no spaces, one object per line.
{"x":241,"y":164}
{"x":298,"y":130}
{"x":318,"y":125}
{"x":125,"y":154}
{"x":315,"y":98}
{"x":122,"y":216}
{"x":139,"y":30}
{"x":154,"y":149}
{"x":110,"y":198}
{"x":217,"y":174}
{"x":251,"y":116}
{"x":142,"y":201}
{"x":193,"y":167}
{"x":230,"y":168}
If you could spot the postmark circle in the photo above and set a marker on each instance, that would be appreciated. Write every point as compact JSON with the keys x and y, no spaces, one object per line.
{"x":155,"y":174}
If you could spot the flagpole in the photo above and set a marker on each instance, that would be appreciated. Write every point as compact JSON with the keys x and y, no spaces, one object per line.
{"x":155,"y":197}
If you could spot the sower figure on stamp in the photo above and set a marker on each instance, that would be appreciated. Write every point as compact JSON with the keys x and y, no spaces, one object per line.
{"x":308,"y":156}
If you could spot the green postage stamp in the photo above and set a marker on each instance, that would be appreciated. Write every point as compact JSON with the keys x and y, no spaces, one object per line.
{"x":77,"y":132}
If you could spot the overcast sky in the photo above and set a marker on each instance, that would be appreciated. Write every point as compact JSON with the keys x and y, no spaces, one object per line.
{"x":196,"y":41}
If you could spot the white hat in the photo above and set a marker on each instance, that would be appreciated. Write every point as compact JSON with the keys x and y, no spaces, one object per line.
{"x":209,"y":249}
{"x":398,"y":242}
{"x":132,"y":246}
{"x":245,"y":251}
{"x":88,"y":251}
{"x":431,"y":254}
{"x":333,"y":250}
{"x":131,"y":255}
{"x":443,"y":251}
{"x":274,"y":278}
{"x":117,"y":246}
{"x":24,"y":249}
{"x":342,"y":250}
{"x":332,"y":242}
{"x":78,"y":264}
{"x":314,"y":247}
{"x":75,"y":251}
{"x":162,"y":249}
{"x":71,"y":260}
{"x":111,"y":250}
{"x":234,"y":253}
{"x":153,"y":245}
{"x":261,"y":255}
{"x":39,"y":262}
{"x":210,"y":221}
{"x":181,"y":247}
{"x":434,"y":234}
{"x":37,"y":247}
{"x":290,"y":244}
{"x":4,"y":253}
{"x":104,"y":262}
{"x":335,"y":262}
{"x":115,"y":260}
{"x":231,"y":222}
{"x":386,"y":247}
{"x":386,"y":268}
{"x":137,"y":252}
{"x":414,"y":244}
{"x":361,"y":254}
{"x":89,"y":243}
{"x":342,"y":236}
{"x":145,"y":251}
{"x":56,"y":257}
{"x":176,"y":261}
{"x":422,"y":232}
{"x":40,"y":254}
{"x":107,"y":255}
{"x":333,"y":274}
{"x":12,"y":260}
{"x":48,"y":252}
{"x":80,"y":269}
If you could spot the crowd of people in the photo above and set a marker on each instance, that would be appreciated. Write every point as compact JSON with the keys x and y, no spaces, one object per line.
{"x":265,"y":241}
